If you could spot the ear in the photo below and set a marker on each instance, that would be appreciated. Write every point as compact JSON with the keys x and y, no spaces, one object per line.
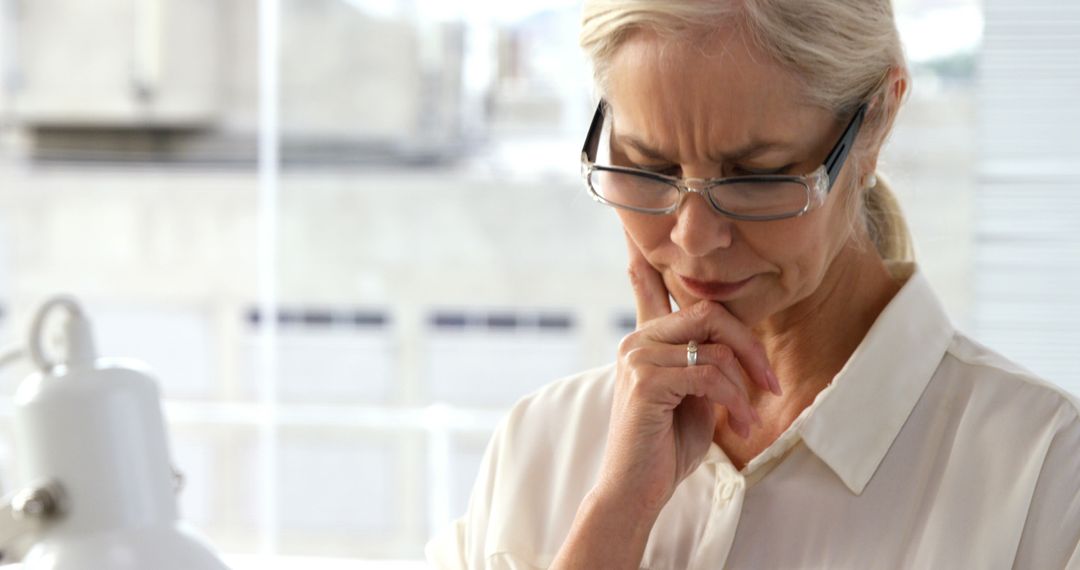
{"x":891,"y":92}
{"x":899,"y":82}
{"x":885,"y":107}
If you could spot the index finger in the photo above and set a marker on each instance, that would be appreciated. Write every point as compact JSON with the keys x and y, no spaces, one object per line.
{"x":650,"y":293}
{"x":718,"y":325}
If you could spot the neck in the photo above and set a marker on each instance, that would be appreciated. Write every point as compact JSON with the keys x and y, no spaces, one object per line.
{"x":809,"y":343}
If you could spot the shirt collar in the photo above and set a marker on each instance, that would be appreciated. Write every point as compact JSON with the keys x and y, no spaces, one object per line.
{"x":853,"y":425}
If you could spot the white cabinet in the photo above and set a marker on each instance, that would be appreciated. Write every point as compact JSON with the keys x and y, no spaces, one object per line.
{"x":115,"y":63}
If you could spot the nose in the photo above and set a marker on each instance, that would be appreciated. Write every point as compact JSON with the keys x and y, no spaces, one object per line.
{"x":698,"y":229}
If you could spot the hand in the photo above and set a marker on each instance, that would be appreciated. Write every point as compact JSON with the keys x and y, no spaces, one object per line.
{"x":663,"y":415}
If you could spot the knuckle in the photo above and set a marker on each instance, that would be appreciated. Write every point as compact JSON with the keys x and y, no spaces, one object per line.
{"x":635,"y":275}
{"x":697,"y":380}
{"x":635,"y":358}
{"x":692,"y":383}
{"x":639,"y":382}
{"x":724,"y":354}
{"x":629,"y":343}
{"x":633,"y":341}
{"x":717,"y":379}
{"x":705,"y":373}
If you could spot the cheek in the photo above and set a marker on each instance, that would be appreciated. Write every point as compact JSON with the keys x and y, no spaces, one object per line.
{"x":649,"y":232}
{"x":799,"y":248}
{"x":782,"y":242}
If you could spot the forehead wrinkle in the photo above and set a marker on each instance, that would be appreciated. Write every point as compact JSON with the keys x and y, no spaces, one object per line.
{"x":654,"y":131}
{"x":666,"y":75}
{"x":715,"y":130}
{"x":647,"y":149}
{"x":646,"y":144}
{"x":643,"y":145}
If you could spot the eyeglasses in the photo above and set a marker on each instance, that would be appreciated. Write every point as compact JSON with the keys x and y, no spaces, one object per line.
{"x":753,"y":198}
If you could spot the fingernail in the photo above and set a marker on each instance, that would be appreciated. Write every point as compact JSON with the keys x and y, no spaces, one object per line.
{"x":775,"y":382}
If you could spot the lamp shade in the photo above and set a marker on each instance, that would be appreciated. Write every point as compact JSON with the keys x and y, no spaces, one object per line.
{"x":96,"y":427}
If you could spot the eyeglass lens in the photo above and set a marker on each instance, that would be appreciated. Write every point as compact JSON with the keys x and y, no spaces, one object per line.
{"x":752,"y":198}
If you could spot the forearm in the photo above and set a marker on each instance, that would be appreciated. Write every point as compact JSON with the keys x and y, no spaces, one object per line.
{"x":606,"y":533}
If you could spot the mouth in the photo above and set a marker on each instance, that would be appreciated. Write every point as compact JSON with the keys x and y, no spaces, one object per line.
{"x":714,"y":290}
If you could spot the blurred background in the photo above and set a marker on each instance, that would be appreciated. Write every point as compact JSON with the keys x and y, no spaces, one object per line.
{"x":338,"y":329}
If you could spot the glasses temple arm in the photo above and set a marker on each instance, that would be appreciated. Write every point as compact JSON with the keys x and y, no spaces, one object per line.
{"x":835,"y":161}
{"x":588,"y":151}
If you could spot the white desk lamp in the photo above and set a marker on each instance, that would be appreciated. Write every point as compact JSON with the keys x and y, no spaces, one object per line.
{"x":91,"y":444}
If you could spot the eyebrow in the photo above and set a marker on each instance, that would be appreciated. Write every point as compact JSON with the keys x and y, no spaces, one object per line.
{"x":754,"y":148}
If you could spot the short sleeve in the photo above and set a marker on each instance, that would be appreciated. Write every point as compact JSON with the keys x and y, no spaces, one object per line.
{"x":540,"y":463}
{"x":460,"y":546}
{"x":1051,"y":537}
{"x":464,"y":544}
{"x":446,"y":549}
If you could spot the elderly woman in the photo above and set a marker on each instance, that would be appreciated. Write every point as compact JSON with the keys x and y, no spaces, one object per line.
{"x":810,"y":405}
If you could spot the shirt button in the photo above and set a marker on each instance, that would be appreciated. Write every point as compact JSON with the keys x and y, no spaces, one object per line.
{"x":727,"y":491}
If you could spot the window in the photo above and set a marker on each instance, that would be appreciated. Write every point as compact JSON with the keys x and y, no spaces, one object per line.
{"x":338,"y":331}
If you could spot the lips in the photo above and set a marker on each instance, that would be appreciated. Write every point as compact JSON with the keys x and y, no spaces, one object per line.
{"x":714,"y":290}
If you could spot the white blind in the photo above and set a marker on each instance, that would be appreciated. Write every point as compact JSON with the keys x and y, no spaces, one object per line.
{"x":1027,"y":266}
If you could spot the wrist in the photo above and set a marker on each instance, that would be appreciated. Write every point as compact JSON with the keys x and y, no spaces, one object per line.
{"x":629,"y":507}
{"x":608,"y":532}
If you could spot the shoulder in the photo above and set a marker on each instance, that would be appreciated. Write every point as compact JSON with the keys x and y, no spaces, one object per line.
{"x":1007,"y":415}
{"x":1033,"y":427}
{"x":1012,"y":440}
{"x":991,"y":376}
{"x":587,"y":393}
{"x":562,"y":426}
{"x":540,"y":463}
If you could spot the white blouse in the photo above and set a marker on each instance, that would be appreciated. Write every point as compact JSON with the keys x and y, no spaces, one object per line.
{"x":927,"y":450}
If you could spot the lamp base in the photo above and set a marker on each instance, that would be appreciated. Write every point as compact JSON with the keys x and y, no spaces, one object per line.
{"x":164,"y":547}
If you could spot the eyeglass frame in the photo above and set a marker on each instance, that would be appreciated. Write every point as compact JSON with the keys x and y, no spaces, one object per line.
{"x":821,"y":179}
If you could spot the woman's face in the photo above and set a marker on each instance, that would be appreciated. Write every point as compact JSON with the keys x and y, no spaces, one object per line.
{"x":704,"y":111}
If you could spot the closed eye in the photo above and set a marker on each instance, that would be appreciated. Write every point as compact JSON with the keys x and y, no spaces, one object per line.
{"x":742,"y":171}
